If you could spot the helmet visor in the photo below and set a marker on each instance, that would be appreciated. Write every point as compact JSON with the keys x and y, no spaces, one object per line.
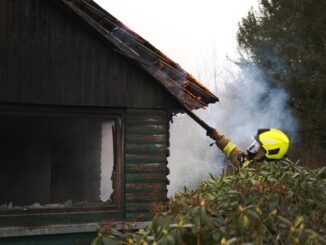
{"x":253,"y":147}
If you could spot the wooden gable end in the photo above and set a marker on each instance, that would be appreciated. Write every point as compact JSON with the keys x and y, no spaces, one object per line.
{"x":49,"y":57}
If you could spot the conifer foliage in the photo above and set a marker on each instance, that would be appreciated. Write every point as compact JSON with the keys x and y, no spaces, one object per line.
{"x":287,"y":40}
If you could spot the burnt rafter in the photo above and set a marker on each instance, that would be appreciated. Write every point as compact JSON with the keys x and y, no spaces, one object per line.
{"x":184,"y":87}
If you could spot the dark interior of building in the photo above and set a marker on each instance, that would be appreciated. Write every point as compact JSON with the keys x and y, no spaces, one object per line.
{"x":50,"y":160}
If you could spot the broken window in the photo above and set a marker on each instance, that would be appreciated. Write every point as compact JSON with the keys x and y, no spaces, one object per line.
{"x":56,"y":161}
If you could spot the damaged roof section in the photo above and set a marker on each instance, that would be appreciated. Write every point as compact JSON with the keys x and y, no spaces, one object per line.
{"x":189,"y":91}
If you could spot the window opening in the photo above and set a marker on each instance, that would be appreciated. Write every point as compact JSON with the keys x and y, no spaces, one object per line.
{"x":107,"y":161}
{"x":56,"y":162}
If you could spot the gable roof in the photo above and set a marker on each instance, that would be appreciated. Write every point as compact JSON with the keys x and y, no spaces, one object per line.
{"x":184,"y":87}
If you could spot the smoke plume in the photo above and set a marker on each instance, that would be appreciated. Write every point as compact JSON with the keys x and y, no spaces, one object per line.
{"x":247,"y":102}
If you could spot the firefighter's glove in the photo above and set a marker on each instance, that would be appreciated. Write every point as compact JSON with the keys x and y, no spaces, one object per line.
{"x":214,"y":134}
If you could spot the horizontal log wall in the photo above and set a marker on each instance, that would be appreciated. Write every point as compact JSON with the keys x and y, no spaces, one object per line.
{"x":147,"y":142}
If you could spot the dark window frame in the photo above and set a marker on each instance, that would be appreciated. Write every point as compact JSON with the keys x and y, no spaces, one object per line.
{"x":112,"y":212}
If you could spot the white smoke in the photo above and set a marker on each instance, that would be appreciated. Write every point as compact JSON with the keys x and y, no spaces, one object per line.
{"x":247,"y":102}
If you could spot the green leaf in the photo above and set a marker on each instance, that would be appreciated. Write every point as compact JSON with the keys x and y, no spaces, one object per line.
{"x":298,"y":220}
{"x":253,"y":215}
{"x":97,"y":241}
{"x":284,"y":220}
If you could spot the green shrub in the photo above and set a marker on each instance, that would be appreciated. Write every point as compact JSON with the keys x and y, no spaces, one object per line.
{"x":272,"y":203}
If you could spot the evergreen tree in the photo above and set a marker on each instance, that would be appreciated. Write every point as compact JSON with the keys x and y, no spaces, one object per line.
{"x":287,"y":40}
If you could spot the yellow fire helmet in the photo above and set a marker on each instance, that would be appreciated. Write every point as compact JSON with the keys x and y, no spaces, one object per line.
{"x":275,"y":142}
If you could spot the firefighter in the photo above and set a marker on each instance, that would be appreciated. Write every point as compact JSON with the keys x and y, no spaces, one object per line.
{"x":268,"y":144}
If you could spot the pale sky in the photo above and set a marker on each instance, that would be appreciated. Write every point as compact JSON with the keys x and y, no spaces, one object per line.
{"x":185,"y":30}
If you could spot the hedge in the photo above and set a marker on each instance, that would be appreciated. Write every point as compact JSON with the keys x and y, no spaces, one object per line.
{"x":269,"y":203}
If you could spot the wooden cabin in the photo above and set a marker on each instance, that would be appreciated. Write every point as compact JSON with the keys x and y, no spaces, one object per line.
{"x":85,"y":105}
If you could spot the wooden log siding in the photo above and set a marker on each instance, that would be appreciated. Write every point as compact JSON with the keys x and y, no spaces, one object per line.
{"x":147,"y":142}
